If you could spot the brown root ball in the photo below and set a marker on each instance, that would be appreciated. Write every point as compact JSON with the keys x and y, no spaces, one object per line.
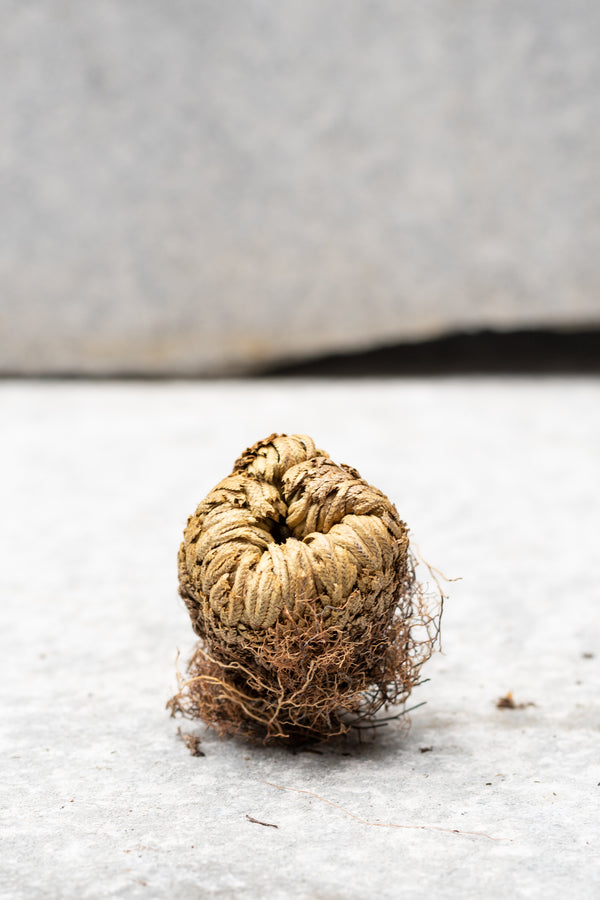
{"x":299,"y":582}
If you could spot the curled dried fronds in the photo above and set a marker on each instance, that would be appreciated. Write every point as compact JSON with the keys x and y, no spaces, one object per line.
{"x":299,"y":581}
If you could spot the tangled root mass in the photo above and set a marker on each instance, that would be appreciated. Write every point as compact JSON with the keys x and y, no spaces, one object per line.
{"x":300,"y":584}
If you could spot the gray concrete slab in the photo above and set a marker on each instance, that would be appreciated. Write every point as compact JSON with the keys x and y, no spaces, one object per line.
{"x":213,"y":186}
{"x":499,"y":481}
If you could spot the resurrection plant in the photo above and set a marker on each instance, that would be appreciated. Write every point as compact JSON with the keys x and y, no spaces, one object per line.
{"x":300,"y":584}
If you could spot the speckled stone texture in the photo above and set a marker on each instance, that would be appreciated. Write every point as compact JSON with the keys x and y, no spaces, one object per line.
{"x":500,"y":482}
{"x":213,"y":186}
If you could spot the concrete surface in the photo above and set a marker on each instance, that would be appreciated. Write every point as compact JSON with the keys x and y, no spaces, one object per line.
{"x":500,"y":483}
{"x":211,"y":186}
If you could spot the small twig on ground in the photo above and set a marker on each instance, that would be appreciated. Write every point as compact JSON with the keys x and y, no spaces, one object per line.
{"x":192,"y":742}
{"x":508,"y":702}
{"x":387,"y":824}
{"x":258,"y":822}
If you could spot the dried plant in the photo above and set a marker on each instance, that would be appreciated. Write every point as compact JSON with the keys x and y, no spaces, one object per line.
{"x":300,"y":584}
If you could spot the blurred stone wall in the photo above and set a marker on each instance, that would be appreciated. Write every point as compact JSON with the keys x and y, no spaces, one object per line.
{"x":204,"y":186}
